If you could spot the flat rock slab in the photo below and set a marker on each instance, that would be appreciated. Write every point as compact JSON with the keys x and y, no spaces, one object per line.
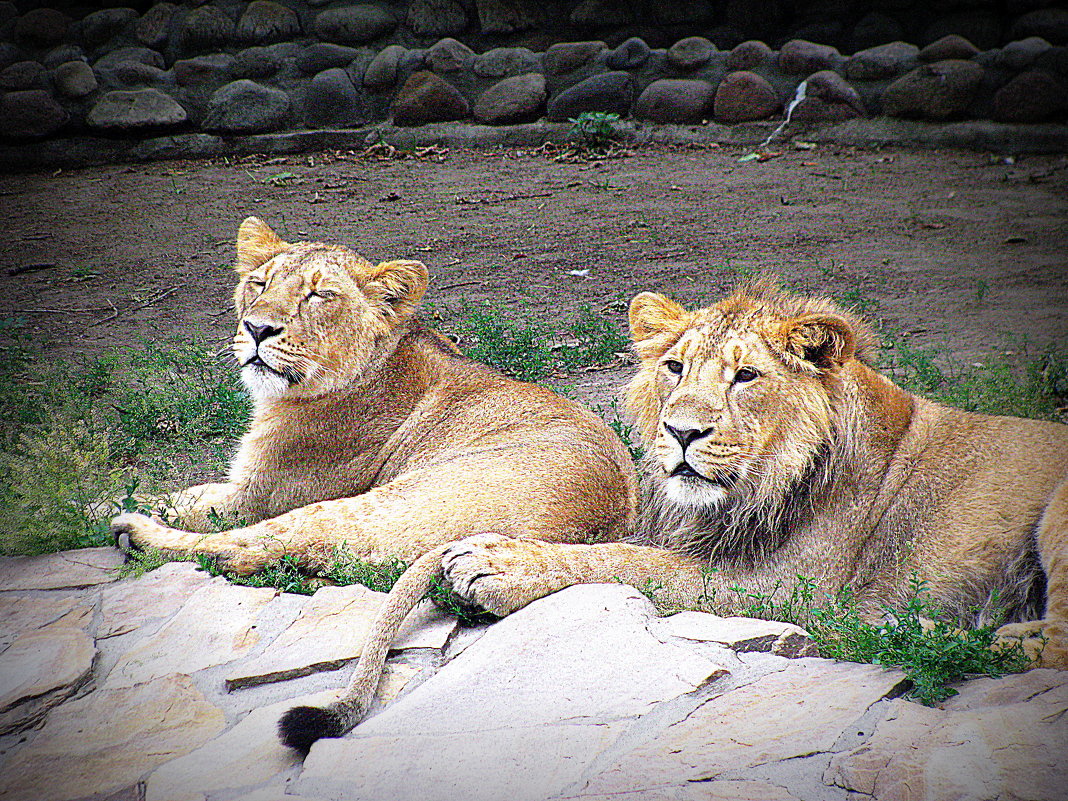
{"x":67,"y":569}
{"x":39,"y":670}
{"x":22,"y":613}
{"x":107,"y":740}
{"x":330,"y":632}
{"x":127,"y":605}
{"x":522,"y":711}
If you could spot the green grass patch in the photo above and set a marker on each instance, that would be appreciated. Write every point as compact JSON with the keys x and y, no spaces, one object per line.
{"x":933,"y":654}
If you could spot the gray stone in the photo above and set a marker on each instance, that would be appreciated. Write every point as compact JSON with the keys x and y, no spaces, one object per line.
{"x":133,"y":74}
{"x":266,"y":21}
{"x":425,"y":97}
{"x":948,"y":47}
{"x":332,"y":101}
{"x":1030,"y":97}
{"x":256,"y":62}
{"x":153,"y":27}
{"x":790,"y":714}
{"x":1019,"y":56}
{"x":999,"y":738}
{"x":884,"y":61}
{"x":20,"y":613}
{"x":62,"y":54}
{"x":504,"y":16}
{"x":105,"y":742}
{"x":10,"y":53}
{"x":74,"y":79}
{"x":246,"y":107}
{"x":520,"y":712}
{"x":8,"y":11}
{"x":381,"y":73}
{"x":675,"y":100}
{"x":799,"y":57}
{"x":940,"y":91}
{"x":39,"y":670}
{"x":139,"y":55}
{"x":41,"y":27}
{"x":566,"y":57}
{"x":982,"y":27}
{"x":1050,"y":24}
{"x":749,"y":55}
{"x":743,"y":96}
{"x":129,"y":604}
{"x":690,"y":53}
{"x":1054,"y":60}
{"x":354,"y":24}
{"x":324,"y":55}
{"x":436,"y":17}
{"x":24,"y":75}
{"x":611,"y":92}
{"x":599,"y":13}
{"x":502,"y":62}
{"x":67,"y":569}
{"x":516,"y":99}
{"x":101,"y":26}
{"x":204,"y":28}
{"x":217,"y":625}
{"x":201,"y":70}
{"x":828,"y":98}
{"x":742,"y":634}
{"x":330,"y":632}
{"x":449,"y":55}
{"x":629,"y":55}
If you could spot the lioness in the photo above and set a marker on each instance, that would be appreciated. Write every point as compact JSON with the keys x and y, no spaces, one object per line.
{"x":776,"y":452}
{"x":373,"y":434}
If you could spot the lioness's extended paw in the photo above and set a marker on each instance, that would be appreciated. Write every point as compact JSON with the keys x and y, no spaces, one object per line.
{"x":495,"y":573}
{"x":128,"y":530}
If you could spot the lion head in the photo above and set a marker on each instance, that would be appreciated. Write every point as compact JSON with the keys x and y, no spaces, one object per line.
{"x":740,"y":407}
{"x":312,"y":318}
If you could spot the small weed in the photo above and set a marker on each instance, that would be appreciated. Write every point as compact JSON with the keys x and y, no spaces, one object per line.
{"x":594,"y":129}
{"x":857,"y":300}
{"x":378,"y":576}
{"x":932,"y":653}
{"x":599,"y":341}
{"x":624,"y":430}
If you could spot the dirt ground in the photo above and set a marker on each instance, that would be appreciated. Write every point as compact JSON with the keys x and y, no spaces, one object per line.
{"x":960,"y":251}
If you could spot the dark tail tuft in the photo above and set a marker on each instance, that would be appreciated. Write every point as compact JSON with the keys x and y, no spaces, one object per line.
{"x":303,"y":725}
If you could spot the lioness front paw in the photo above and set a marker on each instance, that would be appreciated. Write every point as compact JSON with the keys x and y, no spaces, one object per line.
{"x":495,"y":573}
{"x":129,"y":532}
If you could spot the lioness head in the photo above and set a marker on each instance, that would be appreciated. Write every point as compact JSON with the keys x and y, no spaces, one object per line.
{"x":736,"y":403}
{"x":312,"y":317}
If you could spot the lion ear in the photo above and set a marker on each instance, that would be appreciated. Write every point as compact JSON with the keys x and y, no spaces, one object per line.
{"x":396,"y":287}
{"x":256,"y":243}
{"x":652,"y":314}
{"x":823,"y":340}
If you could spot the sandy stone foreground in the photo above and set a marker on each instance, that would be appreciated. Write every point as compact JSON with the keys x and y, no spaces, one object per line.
{"x":168,"y":688}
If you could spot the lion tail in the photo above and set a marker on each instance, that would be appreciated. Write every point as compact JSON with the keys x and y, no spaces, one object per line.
{"x":303,"y":725}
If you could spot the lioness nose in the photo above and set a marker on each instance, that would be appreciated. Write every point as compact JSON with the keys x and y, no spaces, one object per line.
{"x":684,"y":436}
{"x":260,"y":332}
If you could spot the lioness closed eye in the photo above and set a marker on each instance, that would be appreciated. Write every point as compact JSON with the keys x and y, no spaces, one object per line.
{"x":372,"y":433}
{"x":776,"y":451}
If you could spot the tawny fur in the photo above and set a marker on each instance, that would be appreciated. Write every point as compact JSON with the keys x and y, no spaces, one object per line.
{"x":372,"y":434}
{"x":802,"y":460}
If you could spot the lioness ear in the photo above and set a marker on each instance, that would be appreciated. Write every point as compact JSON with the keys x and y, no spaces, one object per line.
{"x":256,"y":243}
{"x":652,"y":314}
{"x":823,"y":340}
{"x":396,"y":287}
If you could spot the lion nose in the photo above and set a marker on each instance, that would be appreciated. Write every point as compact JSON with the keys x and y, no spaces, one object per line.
{"x":261,"y":331}
{"x":684,"y":436}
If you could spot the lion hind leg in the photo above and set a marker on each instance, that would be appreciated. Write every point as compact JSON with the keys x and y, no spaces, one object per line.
{"x":1045,"y":641}
{"x":301,"y":726}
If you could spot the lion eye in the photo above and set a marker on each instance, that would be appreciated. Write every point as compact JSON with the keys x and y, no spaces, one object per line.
{"x":745,"y":374}
{"x":673,"y":366}
{"x":322,"y":294}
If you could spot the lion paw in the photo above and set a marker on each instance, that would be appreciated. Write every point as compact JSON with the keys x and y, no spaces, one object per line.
{"x":495,"y":573}
{"x":129,"y":532}
{"x":1044,"y":642}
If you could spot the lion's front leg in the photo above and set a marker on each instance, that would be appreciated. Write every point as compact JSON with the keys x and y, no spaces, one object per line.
{"x":1045,"y":641}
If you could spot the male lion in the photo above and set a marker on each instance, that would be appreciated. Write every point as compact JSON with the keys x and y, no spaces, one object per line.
{"x":775,"y":452}
{"x":373,"y":434}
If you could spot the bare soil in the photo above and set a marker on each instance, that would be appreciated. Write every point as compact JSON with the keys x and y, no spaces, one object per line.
{"x":959,"y":251}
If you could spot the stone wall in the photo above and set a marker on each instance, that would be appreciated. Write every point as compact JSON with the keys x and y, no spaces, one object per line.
{"x":236,"y":68}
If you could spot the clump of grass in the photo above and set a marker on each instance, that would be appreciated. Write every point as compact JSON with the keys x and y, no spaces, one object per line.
{"x":527,"y":351}
{"x":626,"y":432}
{"x":594,"y":129}
{"x":932,"y":653}
{"x":77,"y":441}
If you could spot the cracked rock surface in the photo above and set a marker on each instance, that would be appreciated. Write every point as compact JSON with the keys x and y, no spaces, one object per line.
{"x":169,"y":687}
